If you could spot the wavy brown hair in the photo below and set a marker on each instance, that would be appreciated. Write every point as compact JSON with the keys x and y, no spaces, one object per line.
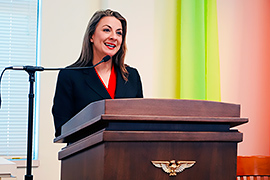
{"x":86,"y":56}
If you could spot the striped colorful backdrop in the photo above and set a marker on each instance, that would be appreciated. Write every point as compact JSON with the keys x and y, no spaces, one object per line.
{"x":218,"y":50}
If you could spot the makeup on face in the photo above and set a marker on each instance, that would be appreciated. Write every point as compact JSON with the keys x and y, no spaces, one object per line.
{"x":107,"y":38}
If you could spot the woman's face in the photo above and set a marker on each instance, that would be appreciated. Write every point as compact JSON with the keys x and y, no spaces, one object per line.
{"x":107,"y":38}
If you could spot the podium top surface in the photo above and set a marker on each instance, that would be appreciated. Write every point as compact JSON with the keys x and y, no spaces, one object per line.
{"x":154,"y":110}
{"x":167,"y":107}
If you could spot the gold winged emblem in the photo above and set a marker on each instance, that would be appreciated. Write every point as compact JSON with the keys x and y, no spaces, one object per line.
{"x":172,"y":167}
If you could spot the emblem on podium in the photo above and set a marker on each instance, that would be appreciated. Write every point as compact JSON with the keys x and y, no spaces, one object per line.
{"x":173,"y":167}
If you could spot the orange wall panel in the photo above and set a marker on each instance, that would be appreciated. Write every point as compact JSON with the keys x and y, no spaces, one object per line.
{"x":244,"y":39}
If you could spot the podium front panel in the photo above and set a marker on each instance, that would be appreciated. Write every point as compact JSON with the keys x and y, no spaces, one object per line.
{"x":132,"y":160}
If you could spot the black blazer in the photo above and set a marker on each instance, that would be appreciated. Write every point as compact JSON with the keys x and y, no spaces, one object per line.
{"x":75,"y":89}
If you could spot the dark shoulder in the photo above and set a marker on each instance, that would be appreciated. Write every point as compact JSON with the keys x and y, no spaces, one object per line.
{"x":132,"y":70}
{"x":133,"y":74}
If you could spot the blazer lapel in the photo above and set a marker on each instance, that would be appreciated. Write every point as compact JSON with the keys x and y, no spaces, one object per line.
{"x":120,"y":90}
{"x":94,"y":83}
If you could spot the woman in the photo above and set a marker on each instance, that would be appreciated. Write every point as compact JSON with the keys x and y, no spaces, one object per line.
{"x":75,"y":89}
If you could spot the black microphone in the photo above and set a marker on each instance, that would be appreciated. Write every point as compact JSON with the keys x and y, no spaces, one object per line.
{"x":39,"y":68}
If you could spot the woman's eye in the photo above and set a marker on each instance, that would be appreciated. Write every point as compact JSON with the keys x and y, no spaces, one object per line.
{"x":119,"y":33}
{"x":106,"y":30}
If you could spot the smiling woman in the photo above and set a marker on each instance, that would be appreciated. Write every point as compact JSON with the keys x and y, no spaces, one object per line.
{"x":105,"y":35}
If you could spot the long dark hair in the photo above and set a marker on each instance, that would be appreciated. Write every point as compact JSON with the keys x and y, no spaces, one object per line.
{"x":86,"y":56}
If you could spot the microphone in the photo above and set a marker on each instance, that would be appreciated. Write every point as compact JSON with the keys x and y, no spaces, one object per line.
{"x":105,"y":59}
{"x":39,"y":68}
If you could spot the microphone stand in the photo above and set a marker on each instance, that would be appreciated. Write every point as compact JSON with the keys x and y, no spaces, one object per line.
{"x":31,"y":72}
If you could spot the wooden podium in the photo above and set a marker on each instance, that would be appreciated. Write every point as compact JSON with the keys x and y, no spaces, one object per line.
{"x":118,"y":139}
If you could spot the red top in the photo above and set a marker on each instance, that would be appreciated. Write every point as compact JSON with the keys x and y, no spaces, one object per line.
{"x":112,"y":82}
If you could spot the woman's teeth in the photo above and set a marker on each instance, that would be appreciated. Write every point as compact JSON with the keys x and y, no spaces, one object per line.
{"x":110,"y":45}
